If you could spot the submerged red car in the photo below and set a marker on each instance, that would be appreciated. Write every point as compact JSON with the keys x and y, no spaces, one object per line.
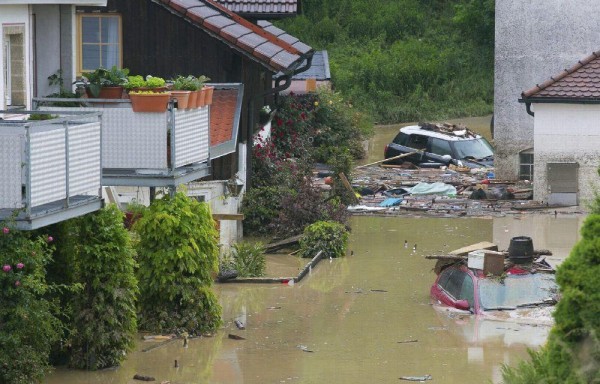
{"x":466,"y":289}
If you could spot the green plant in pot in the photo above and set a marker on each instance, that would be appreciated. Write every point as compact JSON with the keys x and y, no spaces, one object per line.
{"x":181,"y":90}
{"x":205,"y":93}
{"x":105,"y":83}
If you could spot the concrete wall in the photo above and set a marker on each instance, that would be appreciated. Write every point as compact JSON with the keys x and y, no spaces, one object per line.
{"x":15,"y":15}
{"x":535,"y":39}
{"x":567,"y":133}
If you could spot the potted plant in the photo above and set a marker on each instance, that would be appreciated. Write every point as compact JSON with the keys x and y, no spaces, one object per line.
{"x":202,"y":90}
{"x":181,"y":90}
{"x":150,"y":83}
{"x":149,"y":101}
{"x":105,"y":83}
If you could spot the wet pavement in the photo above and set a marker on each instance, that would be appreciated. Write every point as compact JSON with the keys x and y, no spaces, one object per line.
{"x":349,"y":320}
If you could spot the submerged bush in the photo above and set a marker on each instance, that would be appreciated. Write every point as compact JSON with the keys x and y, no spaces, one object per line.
{"x":329,"y":237}
{"x":28,"y":322}
{"x":178,"y":256}
{"x":104,"y":321}
{"x":247,"y":259}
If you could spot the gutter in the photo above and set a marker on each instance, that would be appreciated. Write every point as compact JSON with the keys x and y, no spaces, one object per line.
{"x":528,"y":101}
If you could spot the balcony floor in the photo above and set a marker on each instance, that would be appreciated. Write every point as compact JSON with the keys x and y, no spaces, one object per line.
{"x":54,"y":212}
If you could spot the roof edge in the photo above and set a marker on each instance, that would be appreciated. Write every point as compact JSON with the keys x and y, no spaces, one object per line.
{"x":560,"y":76}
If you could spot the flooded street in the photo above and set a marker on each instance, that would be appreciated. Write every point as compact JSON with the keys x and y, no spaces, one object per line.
{"x":352,"y":313}
{"x":364,"y":318}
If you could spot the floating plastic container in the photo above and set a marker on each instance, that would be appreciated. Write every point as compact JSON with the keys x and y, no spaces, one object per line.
{"x":475,"y":259}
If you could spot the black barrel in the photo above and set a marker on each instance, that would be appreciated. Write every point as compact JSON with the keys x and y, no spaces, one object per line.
{"x":520,"y":250}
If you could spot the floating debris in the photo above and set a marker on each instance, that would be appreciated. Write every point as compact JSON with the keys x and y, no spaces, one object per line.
{"x":273,"y":308}
{"x":304,"y":348}
{"x":378,"y":290}
{"x":416,"y":378}
{"x":408,"y":341}
{"x":239,"y":324}
{"x":235,"y":337}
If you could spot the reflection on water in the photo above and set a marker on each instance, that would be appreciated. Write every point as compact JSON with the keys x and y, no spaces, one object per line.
{"x":351,"y":313}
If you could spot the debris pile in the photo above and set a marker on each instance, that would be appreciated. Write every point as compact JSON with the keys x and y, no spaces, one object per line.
{"x":443,"y":192}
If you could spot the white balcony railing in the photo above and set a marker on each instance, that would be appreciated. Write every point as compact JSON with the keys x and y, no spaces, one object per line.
{"x":50,"y":164}
{"x":158,"y":144}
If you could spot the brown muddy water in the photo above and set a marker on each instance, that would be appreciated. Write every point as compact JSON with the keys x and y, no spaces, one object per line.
{"x":352,"y":312}
{"x":344,"y":323}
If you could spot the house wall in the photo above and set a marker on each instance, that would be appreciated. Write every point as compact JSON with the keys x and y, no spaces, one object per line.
{"x":13,"y":15}
{"x":535,"y":39}
{"x":47,"y":45}
{"x":567,"y":133}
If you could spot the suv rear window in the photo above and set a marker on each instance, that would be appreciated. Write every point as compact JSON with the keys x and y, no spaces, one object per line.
{"x":401,"y":139}
{"x":417,"y":142}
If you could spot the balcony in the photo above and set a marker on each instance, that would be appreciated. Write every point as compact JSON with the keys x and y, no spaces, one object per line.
{"x":49,"y":169}
{"x":158,"y":149}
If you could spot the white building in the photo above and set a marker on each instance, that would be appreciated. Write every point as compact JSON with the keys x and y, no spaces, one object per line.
{"x":566,"y":133}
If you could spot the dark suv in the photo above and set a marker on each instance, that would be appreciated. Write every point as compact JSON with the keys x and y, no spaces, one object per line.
{"x":440,"y":144}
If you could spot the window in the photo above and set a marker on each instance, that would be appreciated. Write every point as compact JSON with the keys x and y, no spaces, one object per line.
{"x":417,"y":142}
{"x":440,"y":147}
{"x":99,"y":42}
{"x":526,"y":165}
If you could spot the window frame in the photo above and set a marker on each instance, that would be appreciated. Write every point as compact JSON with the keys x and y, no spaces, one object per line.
{"x":529,"y":165}
{"x":80,"y":17}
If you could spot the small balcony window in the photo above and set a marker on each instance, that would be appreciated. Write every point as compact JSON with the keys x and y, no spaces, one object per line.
{"x":100,"y":42}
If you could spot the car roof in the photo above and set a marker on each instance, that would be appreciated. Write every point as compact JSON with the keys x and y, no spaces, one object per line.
{"x":444,"y":131}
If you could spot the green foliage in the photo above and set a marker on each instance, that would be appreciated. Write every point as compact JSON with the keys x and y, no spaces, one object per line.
{"x":405,"y":60}
{"x":307,"y":205}
{"x":104,"y":314}
{"x":260,"y":206}
{"x":154,"y":82}
{"x":178,"y":256}
{"x":185,"y":83}
{"x":248,"y":259}
{"x":103,"y":77}
{"x":28,"y":322}
{"x":572,"y":354}
{"x":327,"y":236}
{"x":135,"y":81}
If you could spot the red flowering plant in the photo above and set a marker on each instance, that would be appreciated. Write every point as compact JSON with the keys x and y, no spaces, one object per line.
{"x":28,"y":325}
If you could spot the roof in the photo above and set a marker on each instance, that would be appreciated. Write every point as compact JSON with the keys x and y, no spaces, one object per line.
{"x":581,"y":82}
{"x":262,"y":8}
{"x":318,"y":70}
{"x":443,"y":131}
{"x":225,"y":114}
{"x":276,"y":52}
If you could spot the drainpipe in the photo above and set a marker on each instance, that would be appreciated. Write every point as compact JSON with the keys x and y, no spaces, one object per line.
{"x":273,"y":91}
{"x":528,"y":108}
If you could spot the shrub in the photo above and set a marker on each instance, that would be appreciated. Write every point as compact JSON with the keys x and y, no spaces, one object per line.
{"x":260,"y":206}
{"x":177,"y":255}
{"x":104,"y":314}
{"x":305,"y":206}
{"x":247,"y":259}
{"x":28,"y":322}
{"x":327,"y":236}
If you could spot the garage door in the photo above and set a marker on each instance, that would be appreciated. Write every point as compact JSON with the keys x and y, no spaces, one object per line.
{"x":563,"y":183}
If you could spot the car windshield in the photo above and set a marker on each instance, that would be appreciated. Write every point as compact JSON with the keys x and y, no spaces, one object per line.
{"x":477,"y":149}
{"x":516,"y":291}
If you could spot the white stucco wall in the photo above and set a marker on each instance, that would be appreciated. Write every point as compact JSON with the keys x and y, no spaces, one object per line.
{"x":47,"y":46}
{"x":535,"y":39}
{"x":567,"y":133}
{"x":15,"y":15}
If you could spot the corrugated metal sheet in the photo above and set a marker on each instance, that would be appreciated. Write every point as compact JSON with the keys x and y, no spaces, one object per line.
{"x":191,"y":136}
{"x":84,"y":159}
{"x":47,"y":166}
{"x":10,"y":168}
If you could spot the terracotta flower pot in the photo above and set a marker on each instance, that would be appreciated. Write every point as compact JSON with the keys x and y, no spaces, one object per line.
{"x":182,"y":98}
{"x":209,"y":95}
{"x":149,"y":102}
{"x":201,"y":98}
{"x":193,"y":100}
{"x":106,"y":93}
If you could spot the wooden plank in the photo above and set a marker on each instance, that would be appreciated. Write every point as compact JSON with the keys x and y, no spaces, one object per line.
{"x":282,"y":244}
{"x":473,"y":247}
{"x":228,"y":216}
